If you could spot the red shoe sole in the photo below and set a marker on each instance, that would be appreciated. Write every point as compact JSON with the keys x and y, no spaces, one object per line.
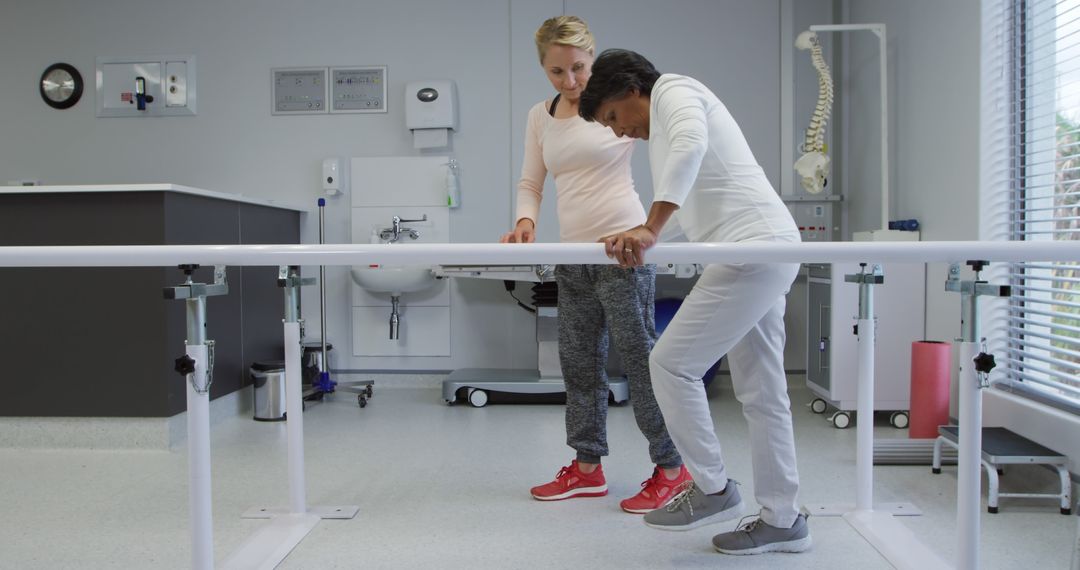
{"x":572,"y":495}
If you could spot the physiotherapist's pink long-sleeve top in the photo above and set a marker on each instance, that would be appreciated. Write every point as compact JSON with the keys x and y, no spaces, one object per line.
{"x":595,"y":193}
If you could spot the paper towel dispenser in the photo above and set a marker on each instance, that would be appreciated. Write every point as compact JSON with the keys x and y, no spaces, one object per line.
{"x":430,"y":111}
{"x":431,"y":105}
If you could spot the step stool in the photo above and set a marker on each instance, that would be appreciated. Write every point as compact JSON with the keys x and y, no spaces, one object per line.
{"x":1003,"y":447}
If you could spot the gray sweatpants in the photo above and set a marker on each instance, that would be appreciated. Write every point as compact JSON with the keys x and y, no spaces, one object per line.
{"x":595,"y":300}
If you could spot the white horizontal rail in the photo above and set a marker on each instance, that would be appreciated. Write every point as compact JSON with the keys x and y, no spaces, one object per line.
{"x":488,"y":253}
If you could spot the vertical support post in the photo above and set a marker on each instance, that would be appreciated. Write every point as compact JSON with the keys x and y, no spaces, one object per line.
{"x":196,"y":368}
{"x":864,"y":454}
{"x":968,"y":483}
{"x":324,"y":373}
{"x":864,"y":461}
{"x":198,"y":434}
{"x":974,"y":364}
{"x":883,"y":46}
{"x":969,"y":460}
{"x":294,"y":401}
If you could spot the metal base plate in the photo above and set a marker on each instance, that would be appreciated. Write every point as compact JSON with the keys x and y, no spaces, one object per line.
{"x":272,"y":542}
{"x":330,"y":512}
{"x":894,"y":541}
{"x":841,"y":509}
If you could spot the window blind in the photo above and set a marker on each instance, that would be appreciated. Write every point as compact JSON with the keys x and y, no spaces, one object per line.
{"x":1041,"y":66}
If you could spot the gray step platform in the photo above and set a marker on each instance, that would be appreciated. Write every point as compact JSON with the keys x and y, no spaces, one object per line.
{"x":1003,"y":447}
{"x":517,"y":381}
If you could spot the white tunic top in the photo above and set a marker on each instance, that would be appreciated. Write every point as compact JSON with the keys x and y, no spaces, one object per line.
{"x":702,"y":163}
{"x":594,"y":190}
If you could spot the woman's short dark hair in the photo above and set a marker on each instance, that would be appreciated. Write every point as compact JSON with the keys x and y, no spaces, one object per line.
{"x":614,"y":74}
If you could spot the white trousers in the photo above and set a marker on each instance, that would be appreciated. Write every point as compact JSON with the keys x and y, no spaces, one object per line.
{"x":737,"y":310}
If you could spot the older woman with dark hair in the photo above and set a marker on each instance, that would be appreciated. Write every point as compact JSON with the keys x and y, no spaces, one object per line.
{"x":706,"y":177}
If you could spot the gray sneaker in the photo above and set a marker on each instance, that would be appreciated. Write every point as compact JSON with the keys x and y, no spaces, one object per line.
{"x":692,"y":508}
{"x":757,"y":536}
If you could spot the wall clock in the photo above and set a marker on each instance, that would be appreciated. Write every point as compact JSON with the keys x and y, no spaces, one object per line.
{"x":61,"y":86}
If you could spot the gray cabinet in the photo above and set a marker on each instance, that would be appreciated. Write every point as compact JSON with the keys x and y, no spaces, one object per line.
{"x":832,"y":357}
{"x":101,"y":341}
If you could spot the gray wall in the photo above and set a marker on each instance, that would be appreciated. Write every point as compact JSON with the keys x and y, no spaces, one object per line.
{"x":933,"y":59}
{"x":235,"y":145}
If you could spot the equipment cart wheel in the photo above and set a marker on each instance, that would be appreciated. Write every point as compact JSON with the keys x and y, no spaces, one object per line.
{"x":899,"y":420}
{"x":478,"y":398}
{"x":362,"y":400}
{"x":818,"y":406}
{"x":370,"y":391}
{"x":841,"y":420}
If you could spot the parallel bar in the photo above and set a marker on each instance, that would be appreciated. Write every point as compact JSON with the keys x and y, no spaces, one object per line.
{"x":533,"y":254}
{"x":518,"y":254}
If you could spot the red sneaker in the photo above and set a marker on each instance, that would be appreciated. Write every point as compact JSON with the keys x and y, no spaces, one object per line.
{"x":656,"y":491}
{"x":571,"y":482}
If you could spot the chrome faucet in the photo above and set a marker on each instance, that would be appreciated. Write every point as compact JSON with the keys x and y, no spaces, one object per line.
{"x":394,"y":233}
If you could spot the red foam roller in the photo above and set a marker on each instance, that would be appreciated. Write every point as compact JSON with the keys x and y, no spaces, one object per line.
{"x":930,"y":364}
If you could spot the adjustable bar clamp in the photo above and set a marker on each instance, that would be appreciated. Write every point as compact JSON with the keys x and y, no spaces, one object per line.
{"x":970,"y":292}
{"x":195,"y":295}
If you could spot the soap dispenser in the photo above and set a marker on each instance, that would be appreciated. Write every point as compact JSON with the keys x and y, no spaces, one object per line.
{"x":453,"y":189}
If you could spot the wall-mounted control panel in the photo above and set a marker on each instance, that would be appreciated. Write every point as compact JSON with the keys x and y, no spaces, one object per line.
{"x":815,"y":216}
{"x":146,"y":87}
{"x":320,"y":90}
{"x":298,"y":91}
{"x":358,"y":89}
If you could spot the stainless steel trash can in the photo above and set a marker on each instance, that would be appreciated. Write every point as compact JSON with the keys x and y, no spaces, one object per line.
{"x":268,"y":381}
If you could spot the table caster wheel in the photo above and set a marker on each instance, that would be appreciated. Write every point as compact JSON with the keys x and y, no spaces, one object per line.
{"x":899,"y":420}
{"x":841,"y":420}
{"x":478,"y":398}
{"x":818,"y":406}
{"x":362,"y":400}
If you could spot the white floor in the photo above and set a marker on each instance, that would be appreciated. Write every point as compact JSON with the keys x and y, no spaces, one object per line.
{"x":447,"y":487}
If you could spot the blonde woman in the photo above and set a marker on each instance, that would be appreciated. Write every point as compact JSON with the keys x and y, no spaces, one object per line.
{"x":595,"y":197}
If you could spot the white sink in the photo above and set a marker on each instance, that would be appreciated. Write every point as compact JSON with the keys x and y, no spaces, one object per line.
{"x":393,"y":280}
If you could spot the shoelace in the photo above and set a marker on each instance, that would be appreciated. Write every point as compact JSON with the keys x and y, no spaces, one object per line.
{"x":686,"y":492}
{"x":655,"y":473}
{"x":750,"y":526}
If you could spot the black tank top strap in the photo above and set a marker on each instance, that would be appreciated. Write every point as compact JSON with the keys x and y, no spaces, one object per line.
{"x":554,"y":102}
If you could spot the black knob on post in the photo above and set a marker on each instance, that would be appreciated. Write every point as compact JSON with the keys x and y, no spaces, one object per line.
{"x":185,"y":365}
{"x":984,"y":363}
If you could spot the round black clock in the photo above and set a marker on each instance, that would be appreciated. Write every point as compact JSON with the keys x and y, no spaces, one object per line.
{"x":61,"y":86}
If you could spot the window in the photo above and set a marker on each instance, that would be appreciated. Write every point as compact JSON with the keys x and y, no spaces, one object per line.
{"x":1043,"y":353}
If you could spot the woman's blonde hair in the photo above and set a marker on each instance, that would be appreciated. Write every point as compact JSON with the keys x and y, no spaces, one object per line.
{"x":564,"y":30}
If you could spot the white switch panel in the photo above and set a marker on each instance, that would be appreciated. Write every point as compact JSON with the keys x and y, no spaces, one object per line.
{"x":298,"y":91}
{"x":176,"y":84}
{"x":169,"y":86}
